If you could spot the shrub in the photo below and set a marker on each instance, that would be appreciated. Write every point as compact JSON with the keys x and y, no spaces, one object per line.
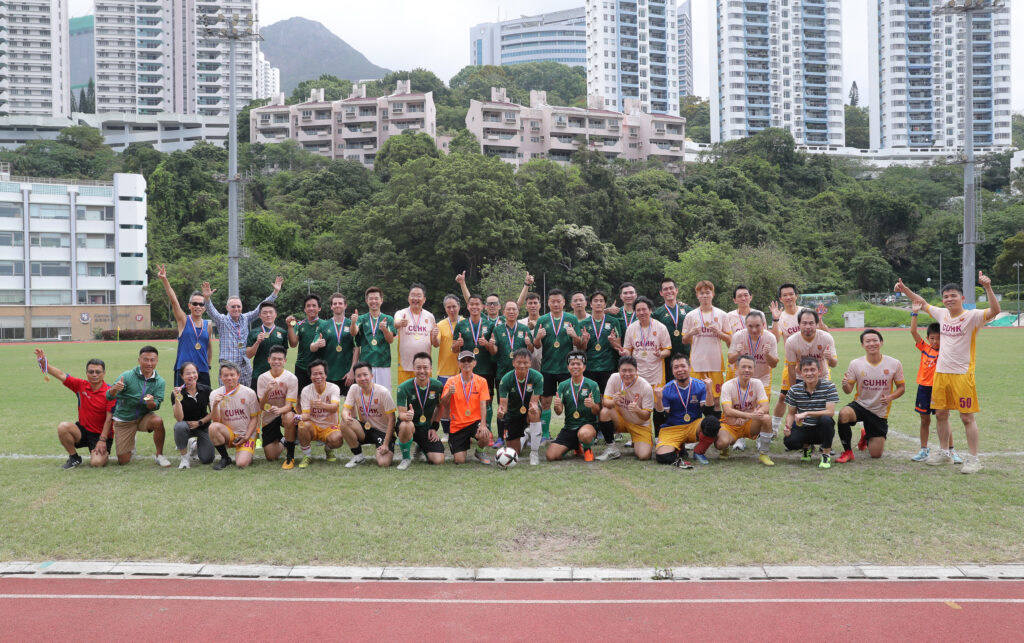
{"x":151,"y":333}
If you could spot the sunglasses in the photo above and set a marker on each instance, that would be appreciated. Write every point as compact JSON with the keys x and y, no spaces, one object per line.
{"x":196,"y":303}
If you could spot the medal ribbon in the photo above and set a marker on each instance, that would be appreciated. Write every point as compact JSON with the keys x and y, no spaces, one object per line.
{"x":674,"y":315}
{"x":374,"y":325}
{"x":598,"y":331}
{"x":521,"y":389}
{"x":745,"y":394}
{"x":238,"y":328}
{"x":472,"y":383}
{"x":475,"y":332}
{"x":686,"y":399}
{"x":423,"y":402}
{"x":643,"y":337}
{"x":558,"y":329}
{"x":630,"y":320}
{"x":511,"y":335}
{"x":194,"y":331}
{"x":753,"y":347}
{"x":575,"y":394}
{"x":364,"y":405}
{"x":339,"y":330}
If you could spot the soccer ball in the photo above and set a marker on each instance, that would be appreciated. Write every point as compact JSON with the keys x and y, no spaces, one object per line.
{"x":506,"y":457}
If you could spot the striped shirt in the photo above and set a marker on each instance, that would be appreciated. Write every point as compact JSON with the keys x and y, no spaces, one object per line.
{"x":798,"y":397}
{"x":233,"y":335}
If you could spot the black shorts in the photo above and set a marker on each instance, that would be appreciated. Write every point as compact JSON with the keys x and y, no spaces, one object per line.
{"x":272,"y":432}
{"x":89,"y":440}
{"x":601,"y":377}
{"x":551,"y":382}
{"x":568,"y":438}
{"x":302,"y":374}
{"x":512,"y":428}
{"x":376,"y":438}
{"x":490,"y":386}
{"x":923,"y":405}
{"x":419,"y":436}
{"x":874,"y":426}
{"x":459,"y":441}
{"x":341,"y":386}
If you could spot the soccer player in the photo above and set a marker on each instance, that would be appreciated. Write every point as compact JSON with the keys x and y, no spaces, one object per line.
{"x":278,"y":392}
{"x":672,"y":313}
{"x":953,"y":387}
{"x":447,"y":360}
{"x":785,"y":325}
{"x":92,"y":431}
{"x":925,"y":375}
{"x":236,"y":419}
{"x":233,"y":328}
{"x":374,"y":332}
{"x":879,"y":380}
{"x":745,"y":411}
{"x":194,"y":341}
{"x":556,"y":334}
{"x":262,"y":339}
{"x":340,"y":350}
{"x":648,"y":341}
{"x":603,"y":335}
{"x":754,"y":340}
{"x":415,"y":332}
{"x":492,"y":304}
{"x":735,"y":321}
{"x":139,"y":393}
{"x":578,"y":303}
{"x":476,"y":335}
{"x":810,"y":419}
{"x":628,"y":402}
{"x":532,"y":304}
{"x":467,"y":396}
{"x":509,"y":336}
{"x":368,"y":417}
{"x":685,"y":401}
{"x":309,"y":335}
{"x":811,"y":341}
{"x":579,"y":398}
{"x":192,"y":418}
{"x":320,"y":402}
{"x":705,"y":329}
{"x":518,"y":409}
{"x":418,"y":413}
{"x":627,"y":293}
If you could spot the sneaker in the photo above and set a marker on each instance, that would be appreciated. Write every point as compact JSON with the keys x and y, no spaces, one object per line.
{"x":628,"y":444}
{"x":534,"y":457}
{"x":725,"y":453}
{"x":806,"y":457}
{"x":588,"y":455}
{"x":740,"y":444}
{"x":701,"y":458}
{"x":482,"y":457}
{"x":193,"y":445}
{"x":846,"y":456}
{"x":972,"y":464}
{"x":73,"y":461}
{"x":355,"y":461}
{"x":162,"y":460}
{"x":922,"y":455}
{"x":329,"y":454}
{"x":956,"y":457}
{"x":544,"y":440}
{"x":863,"y":442}
{"x":826,"y":461}
{"x":305,"y":461}
{"x":610,"y":453}
{"x":289,"y":463}
{"x":184,"y":464}
{"x":682,"y":464}
{"x":404,"y":464}
{"x":498,"y":443}
{"x":223,"y":463}
{"x":765,"y":460}
{"x":938,"y":456}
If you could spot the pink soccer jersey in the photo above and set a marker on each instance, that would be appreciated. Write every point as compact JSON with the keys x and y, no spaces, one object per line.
{"x":373,"y":408}
{"x":415,"y":337}
{"x":744,"y":399}
{"x":638,"y":397}
{"x":797,"y":348}
{"x":766,"y":344}
{"x":705,"y":346}
{"x":875,"y":381}
{"x":646,"y":344}
{"x":236,"y":407}
{"x":958,"y":338}
{"x":320,"y":417}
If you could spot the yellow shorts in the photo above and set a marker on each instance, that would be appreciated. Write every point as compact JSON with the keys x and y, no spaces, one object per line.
{"x":249,"y":445}
{"x":637,"y":432}
{"x":404,"y":375}
{"x":677,"y":436}
{"x":955,"y":392}
{"x":320,"y":433}
{"x":715,"y":377}
{"x":785,"y":377}
{"x":730,"y":372}
{"x":744,"y":430}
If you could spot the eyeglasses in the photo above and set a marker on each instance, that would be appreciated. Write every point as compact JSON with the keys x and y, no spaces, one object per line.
{"x":196,"y":303}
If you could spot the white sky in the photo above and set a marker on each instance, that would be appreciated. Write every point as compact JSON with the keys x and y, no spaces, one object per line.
{"x":434,"y":34}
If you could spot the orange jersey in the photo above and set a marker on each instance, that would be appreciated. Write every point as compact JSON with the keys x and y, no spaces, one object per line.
{"x":929,"y":357}
{"x":465,"y":401}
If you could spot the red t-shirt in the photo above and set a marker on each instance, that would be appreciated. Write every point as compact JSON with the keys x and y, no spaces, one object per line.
{"x":92,"y":405}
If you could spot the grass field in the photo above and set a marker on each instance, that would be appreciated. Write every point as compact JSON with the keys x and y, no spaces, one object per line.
{"x":622,"y":513}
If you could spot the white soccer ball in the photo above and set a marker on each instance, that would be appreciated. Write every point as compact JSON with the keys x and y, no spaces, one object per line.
{"x":506,"y":457}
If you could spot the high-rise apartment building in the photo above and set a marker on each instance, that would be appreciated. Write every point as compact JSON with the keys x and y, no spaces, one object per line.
{"x":918,"y":76}
{"x":632,"y":54}
{"x":779,"y":64}
{"x":82,"y":48}
{"x":34,"y":75}
{"x":559,"y":36}
{"x":684,"y":51}
{"x":268,"y":77}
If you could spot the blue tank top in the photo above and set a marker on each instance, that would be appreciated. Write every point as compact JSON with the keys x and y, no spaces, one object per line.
{"x":187,"y":351}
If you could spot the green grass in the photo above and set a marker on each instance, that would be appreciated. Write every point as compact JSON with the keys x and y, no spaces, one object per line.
{"x":875,"y":316}
{"x":623,"y":513}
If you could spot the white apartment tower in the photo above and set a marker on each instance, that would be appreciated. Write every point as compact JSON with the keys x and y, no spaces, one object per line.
{"x":917,"y":76}
{"x":684,"y":24}
{"x":34,"y":71}
{"x":779,"y":64}
{"x":559,"y":36}
{"x":632,"y":54}
{"x":268,"y":77}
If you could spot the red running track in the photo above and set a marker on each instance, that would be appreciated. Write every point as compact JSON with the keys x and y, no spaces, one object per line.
{"x":93,"y":609}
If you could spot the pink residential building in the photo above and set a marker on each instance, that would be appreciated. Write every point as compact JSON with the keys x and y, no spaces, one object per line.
{"x":353,"y":128}
{"x":517,"y":133}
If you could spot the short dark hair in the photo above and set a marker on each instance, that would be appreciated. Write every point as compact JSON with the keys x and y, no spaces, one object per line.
{"x":521,"y":352}
{"x":148,"y":348}
{"x":475,"y":296}
{"x":267,"y":304}
{"x":870,"y":331}
{"x":183,"y":367}
{"x":952,"y":286}
{"x":371,"y":290}
{"x":806,"y":311}
{"x":934,"y":329}
{"x":643,"y":300}
{"x":626,"y":284}
{"x":493,"y":294}
{"x":277,"y":348}
{"x":576,"y":354}
{"x":745,"y":356}
{"x":531,"y":295}
{"x":627,"y":359}
{"x":807,"y":360}
{"x":422,"y":355}
{"x":739,"y":288}
{"x":422,"y":288}
{"x":231,"y":366}
{"x":361,"y":364}
{"x":578,"y":292}
{"x":318,"y":362}
{"x":676,"y":357}
{"x":556,"y":291}
{"x":667,"y":280}
{"x":796,"y":291}
{"x":98,"y":362}
{"x":313,"y":296}
{"x":337,"y":295}
{"x":598,"y":293}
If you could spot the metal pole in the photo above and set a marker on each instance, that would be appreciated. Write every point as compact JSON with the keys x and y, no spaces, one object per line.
{"x":232,"y":176}
{"x":970,"y":235}
{"x":1018,"y":292}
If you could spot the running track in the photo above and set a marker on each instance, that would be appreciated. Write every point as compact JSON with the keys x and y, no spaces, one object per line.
{"x":93,"y":609}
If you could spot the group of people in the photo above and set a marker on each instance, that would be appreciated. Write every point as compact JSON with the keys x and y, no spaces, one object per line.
{"x":672,"y":378}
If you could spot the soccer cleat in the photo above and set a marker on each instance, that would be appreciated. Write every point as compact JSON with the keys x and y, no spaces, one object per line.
{"x":956,"y":456}
{"x":73,"y":461}
{"x":863,"y":443}
{"x":588,"y":455}
{"x":826,"y":461}
{"x":628,"y":444}
{"x":612,"y":452}
{"x":162,"y":460}
{"x":329,"y":454}
{"x":498,"y":443}
{"x":355,"y":461}
{"x":404,"y":464}
{"x":223,"y":463}
{"x":534,"y":458}
{"x":306,"y":461}
{"x":740,"y":444}
{"x":765,"y":460}
{"x":682,"y":464}
{"x":846,"y":456}
{"x":193,"y":444}
{"x":700,"y":458}
{"x":938,"y":456}
{"x":482,"y":457}
{"x":972,"y":464}
{"x":289,"y":463}
{"x":184,"y":464}
{"x":725,"y":453}
{"x":922,"y":455}
{"x":806,"y":457}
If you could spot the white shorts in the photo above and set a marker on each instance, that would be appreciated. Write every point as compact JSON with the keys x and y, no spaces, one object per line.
{"x":382,"y":376}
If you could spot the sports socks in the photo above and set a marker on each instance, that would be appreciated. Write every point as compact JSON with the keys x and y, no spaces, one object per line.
{"x":703,"y":444}
{"x":223,"y":451}
{"x":846,"y":435}
{"x":607,"y":429}
{"x":535,"y":431}
{"x":406,"y":448}
{"x":545,"y":420}
{"x":289,"y":448}
{"x":306,"y":450}
{"x":776,"y":424}
{"x":764,"y":442}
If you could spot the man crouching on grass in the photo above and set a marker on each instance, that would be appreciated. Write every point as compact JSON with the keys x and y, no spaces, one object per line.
{"x":139,"y":393}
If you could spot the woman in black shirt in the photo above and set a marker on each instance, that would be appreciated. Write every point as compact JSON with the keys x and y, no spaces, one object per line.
{"x":192,"y":412}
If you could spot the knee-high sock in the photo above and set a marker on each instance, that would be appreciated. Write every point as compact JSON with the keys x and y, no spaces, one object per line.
{"x":607,"y":429}
{"x":545,"y":421}
{"x":764,"y":441}
{"x":536,"y":432}
{"x":846,"y":435}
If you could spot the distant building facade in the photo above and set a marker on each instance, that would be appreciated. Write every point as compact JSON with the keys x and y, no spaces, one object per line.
{"x":34,"y":71}
{"x":559,"y":36}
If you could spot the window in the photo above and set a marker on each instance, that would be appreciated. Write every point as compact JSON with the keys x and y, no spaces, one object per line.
{"x":12,"y":297}
{"x":48,"y":211}
{"x":95,"y":241}
{"x":94,"y":269}
{"x":12,"y":238}
{"x":131,"y":226}
{"x":51,"y":298}
{"x":10,"y":210}
{"x":49,"y":240}
{"x":50,"y":327}
{"x":9,"y":332}
{"x":103,"y":297}
{"x":51,"y":268}
{"x":12,"y":268}
{"x":94,"y":213}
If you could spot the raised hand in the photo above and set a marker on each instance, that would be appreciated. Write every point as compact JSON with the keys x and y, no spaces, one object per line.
{"x":39,"y":354}
{"x":529,"y":279}
{"x":277,"y":283}
{"x":207,"y":290}
{"x":916,"y":306}
{"x":435,"y":333}
{"x":161,"y":271}
{"x":542,"y":333}
{"x":983,"y":280}
{"x":401,"y":322}
{"x":118,"y":385}
{"x":776,"y":309}
{"x":461,"y":277}
{"x":355,"y":316}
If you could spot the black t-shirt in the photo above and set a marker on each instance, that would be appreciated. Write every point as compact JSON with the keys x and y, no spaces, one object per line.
{"x":196,"y":408}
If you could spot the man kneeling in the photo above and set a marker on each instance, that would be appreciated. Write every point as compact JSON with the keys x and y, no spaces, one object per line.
{"x":236,"y":418}
{"x":745,"y":411}
{"x":682,"y":400}
{"x":812,"y":405}
{"x":578,"y":398}
{"x":419,"y":416}
{"x":374,"y":421}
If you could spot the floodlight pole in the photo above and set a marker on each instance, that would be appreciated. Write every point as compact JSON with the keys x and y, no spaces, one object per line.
{"x":1017,"y":265}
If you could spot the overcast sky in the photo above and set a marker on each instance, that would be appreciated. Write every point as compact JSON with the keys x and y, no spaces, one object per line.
{"x":403,"y":34}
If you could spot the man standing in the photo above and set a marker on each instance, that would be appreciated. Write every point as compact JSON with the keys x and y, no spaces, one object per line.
{"x":628,"y":402}
{"x":368,"y":417}
{"x":374,"y":332}
{"x":447,"y":359}
{"x":340,"y":350}
{"x":139,"y":393}
{"x":530,"y":321}
{"x":233,"y":328}
{"x":810,"y":342}
{"x":745,"y":411}
{"x":627,"y":293}
{"x":467,"y":396}
{"x":649,"y":342}
{"x":673,"y":313}
{"x":236,"y":419}
{"x":953,"y":387}
{"x":418,"y":413}
{"x":811,"y":417}
{"x":320,"y":402}
{"x":579,"y":398}
{"x":603,"y":335}
{"x":92,"y":430}
{"x":518,"y":409}
{"x":194,"y":343}
{"x":785,"y":325}
{"x":879,"y":380}
{"x":309,"y":337}
{"x":556,"y":334}
{"x":278,"y":392}
{"x":476,"y":335}
{"x":704,"y":328}
{"x":415,"y":332}
{"x":261,"y":340}
{"x":509,"y":337}
{"x":578,"y":303}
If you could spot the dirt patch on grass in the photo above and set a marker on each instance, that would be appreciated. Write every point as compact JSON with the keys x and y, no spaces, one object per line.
{"x":550,"y":546}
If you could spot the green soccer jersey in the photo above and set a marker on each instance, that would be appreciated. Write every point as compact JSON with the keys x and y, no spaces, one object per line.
{"x":673,"y":320}
{"x":276,"y":336}
{"x":557,"y":345}
{"x":308,"y":333}
{"x":519,"y":393}
{"x":508,"y":341}
{"x":601,"y":357}
{"x":338,"y":354}
{"x":573,"y":397}
{"x":423,"y":402}
{"x":470,"y":331}
{"x":373,"y":349}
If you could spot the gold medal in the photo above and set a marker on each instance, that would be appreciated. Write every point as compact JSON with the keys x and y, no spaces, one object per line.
{"x":643,"y":353}
{"x":556,"y":344}
{"x":337,"y":349}
{"x":373,"y":342}
{"x":292,"y":322}
{"x":423,"y":419}
{"x":467,"y":412}
{"x":199,"y":346}
{"x":241,"y":345}
{"x":522,"y":410}
{"x":676,"y":332}
{"x":576,"y":415}
{"x":686,"y":418}
{"x":476,"y":351}
{"x":367,"y":425}
{"x":266,"y":407}
{"x":597,"y":347}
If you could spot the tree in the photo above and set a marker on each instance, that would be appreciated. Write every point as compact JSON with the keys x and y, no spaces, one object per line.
{"x":697,"y":112}
{"x":401,"y":149}
{"x":74,"y":103}
{"x":854,"y":95}
{"x":420,"y":79}
{"x":995,"y":171}
{"x":504,"y":277}
{"x":464,"y":142}
{"x":858,"y":131}
{"x":140,"y":158}
{"x":1013,"y":252}
{"x":334,"y":89}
